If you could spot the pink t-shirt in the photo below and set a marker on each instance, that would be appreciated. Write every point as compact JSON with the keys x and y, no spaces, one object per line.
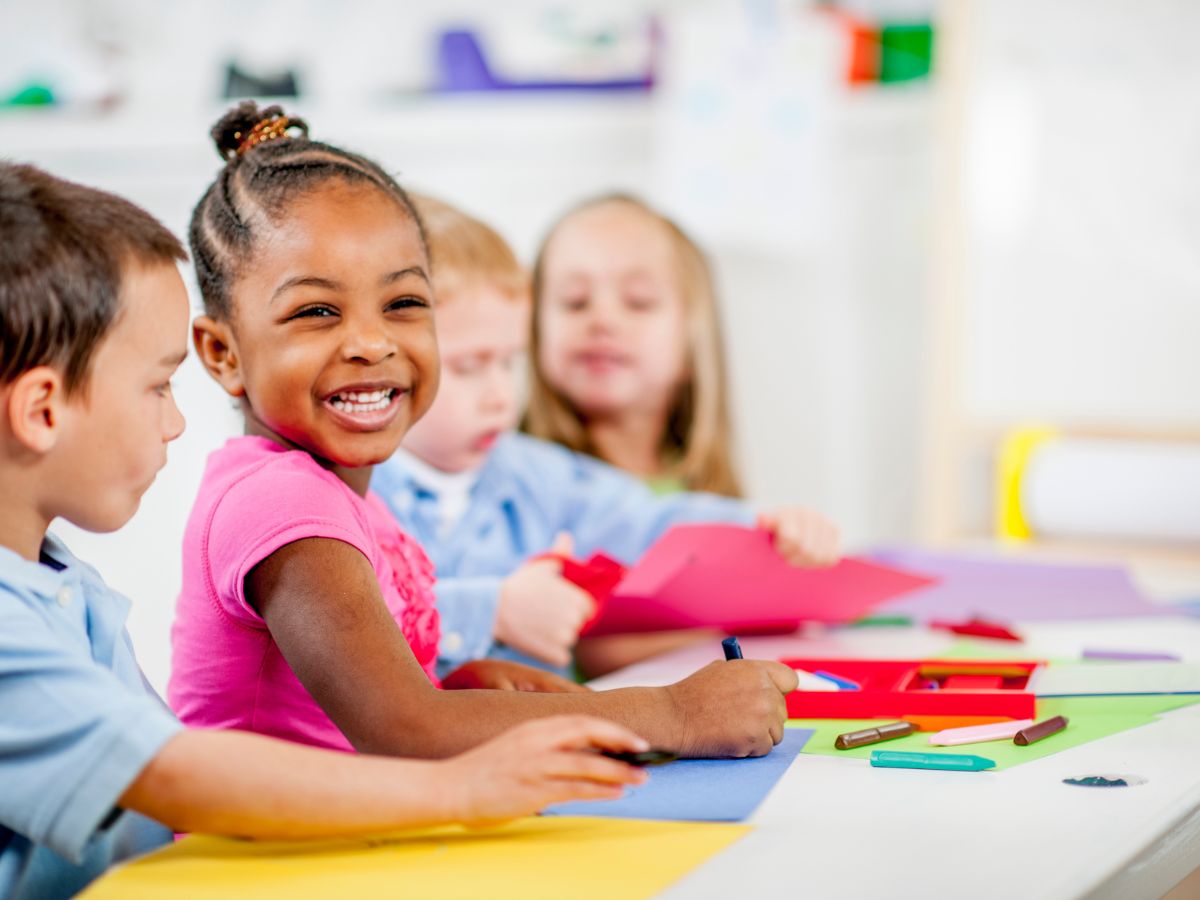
{"x":256,"y":497}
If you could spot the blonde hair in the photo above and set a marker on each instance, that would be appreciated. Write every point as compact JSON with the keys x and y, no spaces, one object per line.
{"x":465,"y":252}
{"x":698,"y":435}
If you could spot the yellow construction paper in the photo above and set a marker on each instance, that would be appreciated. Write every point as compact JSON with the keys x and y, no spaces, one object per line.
{"x":530,"y":858}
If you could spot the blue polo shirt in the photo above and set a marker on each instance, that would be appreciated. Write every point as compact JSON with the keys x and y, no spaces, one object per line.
{"x":77,"y":724}
{"x":527,"y":492}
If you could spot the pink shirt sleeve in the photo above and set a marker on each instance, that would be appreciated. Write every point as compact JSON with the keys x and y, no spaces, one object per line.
{"x":273,"y":506}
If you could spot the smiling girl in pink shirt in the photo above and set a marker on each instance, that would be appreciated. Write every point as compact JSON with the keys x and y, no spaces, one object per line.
{"x":306,"y":613}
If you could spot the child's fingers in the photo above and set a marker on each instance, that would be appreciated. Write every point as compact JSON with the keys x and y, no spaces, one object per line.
{"x":551,"y":652}
{"x":589,"y":733}
{"x":586,"y":790}
{"x":784,"y":677}
{"x":822,"y":543}
{"x":564,"y":544}
{"x":582,"y":605}
{"x":806,"y":539}
{"x":582,"y":766}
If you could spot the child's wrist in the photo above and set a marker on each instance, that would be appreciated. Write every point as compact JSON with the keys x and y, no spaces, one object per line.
{"x":673,"y":712}
{"x":451,"y":800}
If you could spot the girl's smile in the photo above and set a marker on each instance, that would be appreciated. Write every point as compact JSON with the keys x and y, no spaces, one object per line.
{"x":366,"y":407}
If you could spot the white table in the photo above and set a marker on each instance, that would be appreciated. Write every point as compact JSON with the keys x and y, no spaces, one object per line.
{"x":836,"y":828}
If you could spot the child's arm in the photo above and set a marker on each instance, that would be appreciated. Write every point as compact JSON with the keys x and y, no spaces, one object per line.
{"x":320,"y":599}
{"x":533,"y":610}
{"x":242,"y":784}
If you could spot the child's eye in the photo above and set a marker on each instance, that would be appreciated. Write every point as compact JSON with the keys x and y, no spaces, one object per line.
{"x":573,"y":303}
{"x":408,"y":303}
{"x":163,"y":390}
{"x":640,"y":304}
{"x":313,"y":312}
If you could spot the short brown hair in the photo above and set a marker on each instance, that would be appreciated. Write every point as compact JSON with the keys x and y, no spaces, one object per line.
{"x":63,"y":247}
{"x":464,"y":251}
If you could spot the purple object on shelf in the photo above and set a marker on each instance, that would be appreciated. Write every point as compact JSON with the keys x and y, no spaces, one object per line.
{"x":462,"y":67}
{"x":1014,"y":591}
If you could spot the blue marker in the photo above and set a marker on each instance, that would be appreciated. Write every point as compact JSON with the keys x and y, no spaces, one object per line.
{"x":844,"y":684}
{"x":733,"y":650}
{"x":955,"y":762}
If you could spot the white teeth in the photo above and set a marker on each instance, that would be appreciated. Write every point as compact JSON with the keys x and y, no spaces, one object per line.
{"x":361,"y":401}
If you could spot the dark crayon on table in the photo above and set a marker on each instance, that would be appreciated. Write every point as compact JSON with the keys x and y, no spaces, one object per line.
{"x":1036,"y":732}
{"x":891,"y":731}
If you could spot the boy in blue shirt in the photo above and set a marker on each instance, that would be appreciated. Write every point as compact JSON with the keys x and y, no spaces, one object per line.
{"x":93,"y":323}
{"x":482,"y":500}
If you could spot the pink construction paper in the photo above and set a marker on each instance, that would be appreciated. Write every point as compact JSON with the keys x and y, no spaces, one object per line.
{"x":730,"y":577}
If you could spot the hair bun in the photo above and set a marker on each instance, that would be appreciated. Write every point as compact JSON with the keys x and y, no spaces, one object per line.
{"x":235,"y":132}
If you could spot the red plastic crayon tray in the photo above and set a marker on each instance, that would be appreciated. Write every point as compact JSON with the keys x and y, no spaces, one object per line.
{"x":900,"y":687}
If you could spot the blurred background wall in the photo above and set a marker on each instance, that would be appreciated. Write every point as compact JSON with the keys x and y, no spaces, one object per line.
{"x":930,"y":221}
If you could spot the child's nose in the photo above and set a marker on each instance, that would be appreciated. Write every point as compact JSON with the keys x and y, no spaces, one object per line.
{"x":175,"y":422}
{"x":603,"y":312}
{"x":368,"y":343}
{"x":499,"y":391}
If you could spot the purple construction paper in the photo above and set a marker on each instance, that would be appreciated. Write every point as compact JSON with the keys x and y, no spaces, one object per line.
{"x":1014,"y":590}
{"x":1129,"y":655}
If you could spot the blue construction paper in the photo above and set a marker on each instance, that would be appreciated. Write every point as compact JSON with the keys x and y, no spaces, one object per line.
{"x":699,"y":790}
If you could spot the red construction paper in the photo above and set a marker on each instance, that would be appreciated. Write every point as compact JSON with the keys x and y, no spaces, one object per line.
{"x":730,"y":577}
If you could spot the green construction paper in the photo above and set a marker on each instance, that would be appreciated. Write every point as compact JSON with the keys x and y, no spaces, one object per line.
{"x":989,"y":649}
{"x":1090,"y":718}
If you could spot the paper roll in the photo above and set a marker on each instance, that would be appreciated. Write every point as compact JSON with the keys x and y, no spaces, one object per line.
{"x":1113,"y":489}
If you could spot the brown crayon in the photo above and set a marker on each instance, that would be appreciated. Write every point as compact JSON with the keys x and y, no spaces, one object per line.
{"x":891,"y":731}
{"x":1036,"y":732}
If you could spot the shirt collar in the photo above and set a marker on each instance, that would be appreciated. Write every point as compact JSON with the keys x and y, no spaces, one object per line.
{"x":36,"y":577}
{"x":434,"y":480}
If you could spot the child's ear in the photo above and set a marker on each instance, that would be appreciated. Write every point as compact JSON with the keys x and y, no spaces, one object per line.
{"x":34,"y":407}
{"x":217,"y":349}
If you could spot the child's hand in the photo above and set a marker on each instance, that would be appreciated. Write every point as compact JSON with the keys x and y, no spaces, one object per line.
{"x":505,"y":675}
{"x":540,"y":613}
{"x":539,"y":763}
{"x":802,"y":537}
{"x":732,"y":708}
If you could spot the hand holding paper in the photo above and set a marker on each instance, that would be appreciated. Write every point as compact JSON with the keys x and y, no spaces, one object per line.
{"x":541,"y":612}
{"x":802,"y":537}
